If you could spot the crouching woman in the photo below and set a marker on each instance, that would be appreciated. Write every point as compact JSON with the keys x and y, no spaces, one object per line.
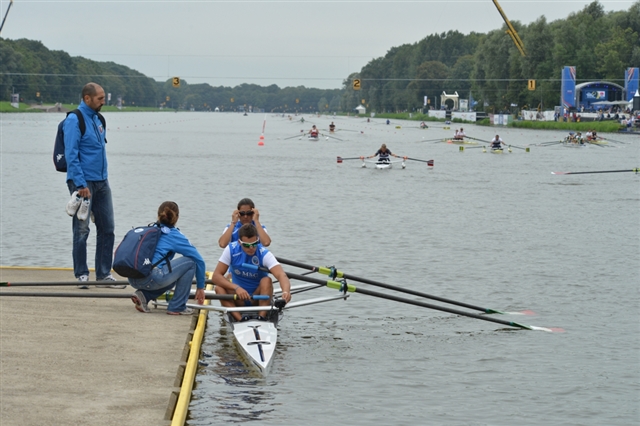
{"x":171,"y":273}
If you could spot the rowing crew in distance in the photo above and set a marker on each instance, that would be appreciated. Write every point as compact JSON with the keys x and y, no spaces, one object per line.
{"x":384,"y":161}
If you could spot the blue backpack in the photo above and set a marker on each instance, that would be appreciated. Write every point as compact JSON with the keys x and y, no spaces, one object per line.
{"x":134,"y":256}
{"x":59,"y":159}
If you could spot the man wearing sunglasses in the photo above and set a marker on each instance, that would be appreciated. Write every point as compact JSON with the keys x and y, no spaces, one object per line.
{"x":245,"y":213}
{"x":245,"y":281}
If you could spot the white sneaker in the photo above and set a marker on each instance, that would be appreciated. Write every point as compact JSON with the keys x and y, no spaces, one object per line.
{"x":110,"y":278}
{"x":83,"y":210}
{"x":83,"y":279}
{"x":73,"y":204}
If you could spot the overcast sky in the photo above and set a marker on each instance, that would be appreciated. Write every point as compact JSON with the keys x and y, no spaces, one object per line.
{"x":314,"y":43}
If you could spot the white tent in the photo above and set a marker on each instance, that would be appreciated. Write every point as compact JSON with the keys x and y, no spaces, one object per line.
{"x":361,"y":109}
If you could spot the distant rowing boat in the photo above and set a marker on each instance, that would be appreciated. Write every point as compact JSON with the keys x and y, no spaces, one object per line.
{"x":382,"y":164}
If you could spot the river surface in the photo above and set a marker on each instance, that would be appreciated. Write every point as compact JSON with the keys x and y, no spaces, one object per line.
{"x":497,"y":231}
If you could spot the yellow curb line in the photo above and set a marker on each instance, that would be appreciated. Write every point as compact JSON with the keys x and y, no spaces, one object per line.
{"x":182,"y":405}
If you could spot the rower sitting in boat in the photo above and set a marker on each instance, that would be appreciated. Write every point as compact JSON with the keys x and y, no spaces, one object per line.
{"x":459,"y":135}
{"x":423,"y":125}
{"x":245,"y":213}
{"x":314,"y":131}
{"x":579,"y":139}
{"x":571,"y":138}
{"x":332,"y":127}
{"x":246,"y":281}
{"x":383,"y":154}
{"x":497,"y":142}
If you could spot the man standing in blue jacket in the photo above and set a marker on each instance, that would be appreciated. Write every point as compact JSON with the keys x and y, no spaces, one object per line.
{"x":87,"y":179}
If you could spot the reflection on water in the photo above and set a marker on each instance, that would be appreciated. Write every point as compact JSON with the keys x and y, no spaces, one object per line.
{"x":242,"y":394}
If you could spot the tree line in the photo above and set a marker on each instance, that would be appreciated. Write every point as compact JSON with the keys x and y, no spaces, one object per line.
{"x":487,"y":68}
{"x":490,"y":69}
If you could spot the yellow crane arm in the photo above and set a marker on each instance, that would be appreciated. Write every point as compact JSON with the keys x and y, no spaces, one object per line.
{"x":511,"y":31}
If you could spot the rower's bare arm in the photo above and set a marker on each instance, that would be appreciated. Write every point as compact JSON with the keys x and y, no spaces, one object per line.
{"x":283,"y":279}
{"x":225,"y":238}
{"x":265,"y":240}
{"x":219,"y":280}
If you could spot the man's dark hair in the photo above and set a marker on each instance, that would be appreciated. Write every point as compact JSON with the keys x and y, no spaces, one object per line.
{"x":247,"y":230}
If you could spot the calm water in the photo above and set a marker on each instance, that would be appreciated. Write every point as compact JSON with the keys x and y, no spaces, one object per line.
{"x":498,"y":231}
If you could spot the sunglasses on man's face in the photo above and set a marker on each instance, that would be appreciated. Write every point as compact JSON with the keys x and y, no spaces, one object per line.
{"x":250,"y":245}
{"x":248,"y":213}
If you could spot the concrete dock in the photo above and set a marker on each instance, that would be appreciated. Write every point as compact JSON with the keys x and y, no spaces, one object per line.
{"x":86,"y":361}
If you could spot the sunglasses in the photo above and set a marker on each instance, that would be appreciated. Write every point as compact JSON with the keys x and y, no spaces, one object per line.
{"x":249,"y":245}
{"x":247,"y":213}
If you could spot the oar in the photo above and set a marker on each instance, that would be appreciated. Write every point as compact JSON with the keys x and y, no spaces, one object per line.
{"x":341,"y":159}
{"x":333,"y":273}
{"x":352,"y":289}
{"x":327,"y":136}
{"x":612,"y":140}
{"x":120,"y":295}
{"x":431,"y":140}
{"x":519,"y":147}
{"x":429,"y":162}
{"x":599,"y":171}
{"x":479,"y":140}
{"x":64,"y":283}
{"x":548,"y":143}
{"x":291,"y":137}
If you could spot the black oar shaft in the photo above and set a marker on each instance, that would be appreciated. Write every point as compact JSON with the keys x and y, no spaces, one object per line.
{"x":69,"y":283}
{"x":389,"y":286}
{"x":604,"y":171}
{"x":407,"y":301}
{"x":417,"y":159}
{"x":103,"y":295}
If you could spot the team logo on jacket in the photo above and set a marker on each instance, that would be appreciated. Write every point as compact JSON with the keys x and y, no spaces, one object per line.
{"x":255,"y":260}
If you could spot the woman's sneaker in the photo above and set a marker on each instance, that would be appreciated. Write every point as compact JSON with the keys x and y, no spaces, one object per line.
{"x":187,"y":311}
{"x":140,"y":301}
{"x":73,"y":204}
{"x":110,"y":278}
{"x":83,"y":210}
{"x":83,"y":279}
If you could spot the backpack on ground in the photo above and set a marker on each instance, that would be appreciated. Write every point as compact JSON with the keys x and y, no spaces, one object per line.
{"x":59,"y":159}
{"x":134,"y":256}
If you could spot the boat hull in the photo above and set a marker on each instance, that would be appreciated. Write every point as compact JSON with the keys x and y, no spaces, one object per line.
{"x":256,"y":340}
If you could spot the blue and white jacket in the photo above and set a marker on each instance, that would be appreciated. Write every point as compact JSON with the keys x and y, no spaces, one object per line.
{"x":174,"y":241}
{"x":86,"y":156}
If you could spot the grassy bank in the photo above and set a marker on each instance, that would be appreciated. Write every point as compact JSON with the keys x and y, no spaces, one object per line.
{"x":599,"y":126}
{"x":6,"y":107}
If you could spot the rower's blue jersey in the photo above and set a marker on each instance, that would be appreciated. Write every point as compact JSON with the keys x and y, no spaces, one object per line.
{"x":247,"y":278}
{"x":234,"y":234}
